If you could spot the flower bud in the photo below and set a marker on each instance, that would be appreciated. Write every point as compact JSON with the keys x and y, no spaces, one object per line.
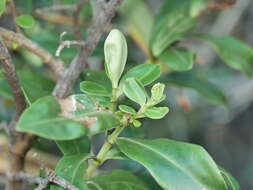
{"x":157,"y":93}
{"x":115,"y":50}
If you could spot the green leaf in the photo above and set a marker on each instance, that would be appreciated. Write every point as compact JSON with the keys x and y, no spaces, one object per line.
{"x":76,"y":146}
{"x":2,"y":6}
{"x":117,"y":179}
{"x":175,"y":165}
{"x":234,"y":52}
{"x":25,"y":21}
{"x":145,"y":73}
{"x":230,"y":180}
{"x":127,"y":109}
{"x":172,"y":23}
{"x":135,"y":91}
{"x":177,"y":59}
{"x":66,"y":119}
{"x":43,"y":119}
{"x":193,"y":81}
{"x":71,"y":168}
{"x":93,"y":88}
{"x":98,"y":77}
{"x":156,"y":112}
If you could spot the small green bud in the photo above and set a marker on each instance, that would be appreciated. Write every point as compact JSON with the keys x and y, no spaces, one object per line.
{"x":157,"y":93}
{"x":115,"y":50}
{"x":136,"y":123}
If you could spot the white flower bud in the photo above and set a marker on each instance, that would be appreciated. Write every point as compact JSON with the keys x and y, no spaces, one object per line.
{"x":115,"y":50}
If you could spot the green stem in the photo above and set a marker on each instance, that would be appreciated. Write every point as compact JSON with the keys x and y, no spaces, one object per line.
{"x":102,"y":153}
{"x":114,"y":99}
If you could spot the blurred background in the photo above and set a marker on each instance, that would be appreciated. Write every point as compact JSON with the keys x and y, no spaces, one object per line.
{"x":213,"y":107}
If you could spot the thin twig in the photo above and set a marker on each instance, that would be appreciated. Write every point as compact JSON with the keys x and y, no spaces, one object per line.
{"x":102,"y":18}
{"x":51,"y":177}
{"x":67,"y":43}
{"x":57,"y":66}
{"x":57,"y":8}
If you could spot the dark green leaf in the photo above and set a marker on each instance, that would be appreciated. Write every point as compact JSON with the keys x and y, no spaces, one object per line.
{"x":156,"y":112}
{"x":43,"y":119}
{"x":175,"y":165}
{"x":135,"y":91}
{"x":177,"y":59}
{"x":194,"y":81}
{"x":145,"y":73}
{"x":117,"y":179}
{"x":72,"y":168}
{"x":127,"y":109}
{"x":230,"y":180}
{"x":2,"y":6}
{"x":234,"y":52}
{"x":25,"y":21}
{"x":93,"y":88}
{"x":76,"y":146}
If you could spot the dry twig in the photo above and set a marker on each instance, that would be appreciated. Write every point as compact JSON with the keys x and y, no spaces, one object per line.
{"x":56,"y":65}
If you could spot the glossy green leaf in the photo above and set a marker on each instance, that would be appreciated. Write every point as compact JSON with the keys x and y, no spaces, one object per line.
{"x":2,"y":6}
{"x":43,"y":119}
{"x":177,"y":59}
{"x":234,"y":52}
{"x":193,"y":81}
{"x":230,"y":180}
{"x":175,"y":165}
{"x":93,"y":88}
{"x":156,"y":112}
{"x":127,"y":109}
{"x":145,"y":73}
{"x":76,"y":146}
{"x":117,"y":179}
{"x":72,"y":169}
{"x":25,"y":21}
{"x":135,"y":91}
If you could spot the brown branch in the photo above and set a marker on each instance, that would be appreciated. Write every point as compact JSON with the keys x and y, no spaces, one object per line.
{"x":102,"y":18}
{"x":11,"y":76}
{"x":57,"y":8}
{"x":19,"y":143}
{"x":56,"y":65}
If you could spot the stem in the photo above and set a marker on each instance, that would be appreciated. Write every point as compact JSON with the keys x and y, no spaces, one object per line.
{"x":114,"y":99}
{"x":102,"y":153}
